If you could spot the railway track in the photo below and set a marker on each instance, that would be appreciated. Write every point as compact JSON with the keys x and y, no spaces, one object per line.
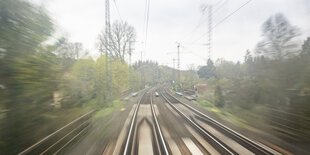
{"x":177,"y":127}
{"x":144,"y":134}
{"x":196,"y":117}
{"x":59,"y":140}
{"x":222,"y":148}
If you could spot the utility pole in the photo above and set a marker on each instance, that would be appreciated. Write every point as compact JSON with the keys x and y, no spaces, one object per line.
{"x":111,"y":77}
{"x":141,"y":77}
{"x":108,"y":79}
{"x":129,"y":65}
{"x":210,"y":33}
{"x":173,"y":70}
{"x":178,"y":65}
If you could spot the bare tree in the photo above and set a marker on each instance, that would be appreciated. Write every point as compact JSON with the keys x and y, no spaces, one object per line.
{"x":69,"y":50}
{"x":279,"y":37}
{"x":117,"y":43}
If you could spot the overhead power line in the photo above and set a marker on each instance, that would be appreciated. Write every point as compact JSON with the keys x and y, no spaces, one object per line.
{"x":119,"y":15}
{"x":145,"y":24}
{"x":232,"y":13}
{"x":200,"y":22}
{"x":195,"y":54}
{"x":210,"y":32}
{"x":225,"y":18}
{"x":219,"y":7}
{"x":147,"y":21}
{"x":219,"y":2}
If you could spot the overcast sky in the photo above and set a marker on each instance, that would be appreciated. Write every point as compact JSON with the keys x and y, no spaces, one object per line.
{"x":172,"y":21}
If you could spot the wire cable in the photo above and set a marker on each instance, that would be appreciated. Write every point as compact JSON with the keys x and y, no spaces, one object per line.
{"x":231,"y":14}
{"x":225,"y":18}
{"x":189,"y":35}
{"x":147,"y":14}
{"x":119,"y":15}
{"x":197,"y":55}
{"x":200,"y":22}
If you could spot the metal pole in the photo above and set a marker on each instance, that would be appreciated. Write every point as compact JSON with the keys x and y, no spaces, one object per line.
{"x":179,"y":75}
{"x":210,"y":33}
{"x":129,"y":66}
{"x":107,"y":66}
{"x":173,"y":70}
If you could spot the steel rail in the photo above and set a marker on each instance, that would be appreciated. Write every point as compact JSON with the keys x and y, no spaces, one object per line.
{"x":57,"y":142}
{"x":161,"y":137}
{"x":216,"y":143}
{"x":246,"y":142}
{"x":131,"y":128}
{"x":53,"y":134}
{"x":70,"y":140}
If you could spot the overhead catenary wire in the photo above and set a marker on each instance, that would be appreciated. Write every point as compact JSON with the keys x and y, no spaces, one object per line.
{"x":145,"y":26}
{"x":193,"y":53}
{"x":219,"y":2}
{"x":147,"y":14}
{"x":220,"y":7}
{"x":117,"y":10}
{"x":221,"y":21}
{"x":200,"y":22}
{"x":231,"y":13}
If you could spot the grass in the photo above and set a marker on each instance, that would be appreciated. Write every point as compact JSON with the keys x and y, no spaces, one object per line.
{"x":107,"y":111}
{"x":222,"y":113}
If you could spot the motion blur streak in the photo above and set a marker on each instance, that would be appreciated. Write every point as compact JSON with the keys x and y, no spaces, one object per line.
{"x":49,"y":79}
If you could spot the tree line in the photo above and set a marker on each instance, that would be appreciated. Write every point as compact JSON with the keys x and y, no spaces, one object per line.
{"x":36,"y":69}
{"x":271,"y":87}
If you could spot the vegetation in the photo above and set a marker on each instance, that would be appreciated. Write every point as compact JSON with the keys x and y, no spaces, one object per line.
{"x":270,"y":90}
{"x":207,"y":71}
{"x":118,"y":43}
{"x":152,"y":73}
{"x":218,"y":97}
{"x":47,"y":82}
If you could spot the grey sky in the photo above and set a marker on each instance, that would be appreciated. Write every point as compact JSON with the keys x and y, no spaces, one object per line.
{"x":174,"y":20}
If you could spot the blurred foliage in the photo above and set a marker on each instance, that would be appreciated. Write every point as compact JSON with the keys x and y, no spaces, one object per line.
{"x":279,"y":35}
{"x":207,"y":71}
{"x":218,"y":95}
{"x":27,"y":70}
{"x":38,"y":75}
{"x":188,"y":79}
{"x":118,"y":41}
{"x":270,"y":90}
{"x":46,"y":82}
{"x":151,"y":73}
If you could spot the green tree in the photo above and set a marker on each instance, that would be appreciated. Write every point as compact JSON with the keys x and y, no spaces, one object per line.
{"x":120,"y":76}
{"x":79,"y":82}
{"x":218,"y":97}
{"x":27,"y":69}
{"x":227,"y":69}
{"x":149,"y":71}
{"x":207,"y":71}
{"x":189,"y":78}
{"x":68,"y":52}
